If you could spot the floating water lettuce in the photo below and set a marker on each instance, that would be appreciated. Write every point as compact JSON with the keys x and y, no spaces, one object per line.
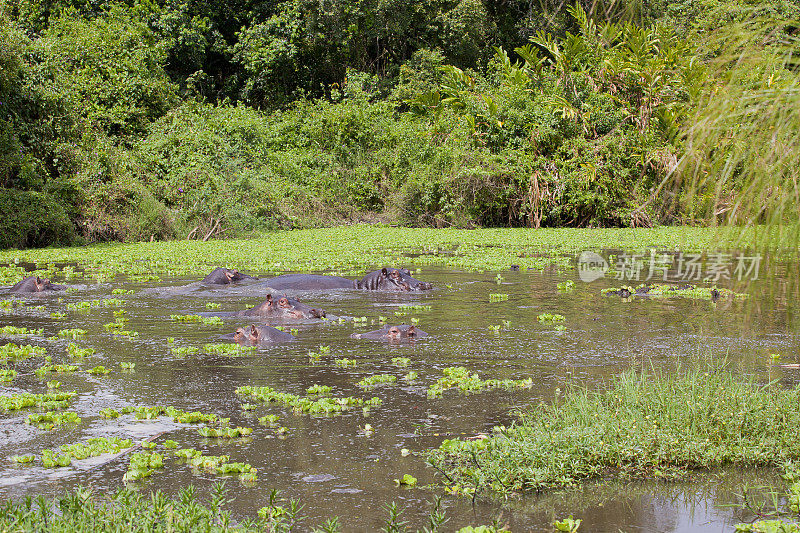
{"x":459,"y":377}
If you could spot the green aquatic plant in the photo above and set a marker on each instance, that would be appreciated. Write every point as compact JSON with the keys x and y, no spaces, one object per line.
{"x":498,"y":297}
{"x":212,"y":305}
{"x":7,"y":375}
{"x":142,"y":465}
{"x":345,"y":362}
{"x":11,"y":331}
{"x":50,"y":419}
{"x":183,"y":351}
{"x":48,"y":401}
{"x":318,"y":389}
{"x":205,"y":320}
{"x":22,"y":459}
{"x":58,"y":315}
{"x":99,"y":370}
{"x":76,"y":352}
{"x":228,"y":349}
{"x":269,"y":420}
{"x":401,"y":361}
{"x":59,"y":368}
{"x":108,"y":412}
{"x":170,"y":444}
{"x":122,"y":292}
{"x":53,"y":384}
{"x":459,"y":377}
{"x":549,"y":318}
{"x":407,"y":480}
{"x":378,"y":379}
{"x":566,"y":286}
{"x":73,"y":333}
{"x":127,"y":365}
{"x":325,"y":405}
{"x":411,"y":376}
{"x":16,"y":352}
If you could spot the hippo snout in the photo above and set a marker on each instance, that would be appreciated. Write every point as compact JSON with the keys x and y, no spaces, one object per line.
{"x":425,"y":286}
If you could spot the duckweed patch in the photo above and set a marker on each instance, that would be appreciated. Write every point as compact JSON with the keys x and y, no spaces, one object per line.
{"x":461,"y":378}
{"x":645,"y":425}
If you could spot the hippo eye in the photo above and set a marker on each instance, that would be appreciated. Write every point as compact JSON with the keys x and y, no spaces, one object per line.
{"x":283,"y":302}
{"x":395,"y":274}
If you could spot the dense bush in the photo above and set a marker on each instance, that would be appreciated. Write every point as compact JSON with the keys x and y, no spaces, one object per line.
{"x":175,"y":119}
{"x":29,"y":219}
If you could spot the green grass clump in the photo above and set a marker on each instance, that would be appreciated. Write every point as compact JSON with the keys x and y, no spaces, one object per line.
{"x":16,"y":352}
{"x":645,"y":425}
{"x":371,"y":381}
{"x":459,"y":377}
{"x":49,"y":401}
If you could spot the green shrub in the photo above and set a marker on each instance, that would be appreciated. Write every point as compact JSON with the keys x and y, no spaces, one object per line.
{"x":32,"y":219}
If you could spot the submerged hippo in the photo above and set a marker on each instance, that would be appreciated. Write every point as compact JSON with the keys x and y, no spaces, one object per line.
{"x":283,"y":308}
{"x":385,"y":279}
{"x":259,"y":334}
{"x":392,"y":333}
{"x":33,"y":284}
{"x":225,"y":276}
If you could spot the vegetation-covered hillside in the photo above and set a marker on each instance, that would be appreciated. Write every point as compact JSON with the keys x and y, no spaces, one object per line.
{"x":169,"y":118}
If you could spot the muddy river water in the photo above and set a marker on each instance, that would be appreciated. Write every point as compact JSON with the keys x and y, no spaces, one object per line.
{"x":329,"y":463}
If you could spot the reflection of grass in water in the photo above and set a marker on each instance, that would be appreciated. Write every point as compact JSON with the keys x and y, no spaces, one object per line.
{"x":647,"y":426}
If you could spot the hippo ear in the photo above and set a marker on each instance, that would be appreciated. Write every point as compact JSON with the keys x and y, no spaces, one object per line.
{"x":253,"y":332}
{"x":38,"y":279}
{"x":411,"y":331}
{"x":384,"y":272}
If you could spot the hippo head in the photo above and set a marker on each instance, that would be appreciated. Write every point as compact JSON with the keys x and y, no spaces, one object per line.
{"x":393,"y":279}
{"x":290,"y":307}
{"x":225,"y":276}
{"x":397,"y":333}
{"x":33,"y":284}
{"x":246,"y":334}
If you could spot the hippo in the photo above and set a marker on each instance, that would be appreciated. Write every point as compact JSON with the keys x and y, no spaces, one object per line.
{"x":385,"y":279}
{"x":33,"y":284}
{"x":392,"y":333}
{"x":225,"y":276}
{"x":283,"y":307}
{"x":259,"y":334}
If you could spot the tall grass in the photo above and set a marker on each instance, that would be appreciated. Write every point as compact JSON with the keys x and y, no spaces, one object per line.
{"x":646,"y":425}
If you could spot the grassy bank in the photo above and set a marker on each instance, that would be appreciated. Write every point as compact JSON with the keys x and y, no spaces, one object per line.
{"x":358,"y":247}
{"x":127,"y":510}
{"x":645,"y":426}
